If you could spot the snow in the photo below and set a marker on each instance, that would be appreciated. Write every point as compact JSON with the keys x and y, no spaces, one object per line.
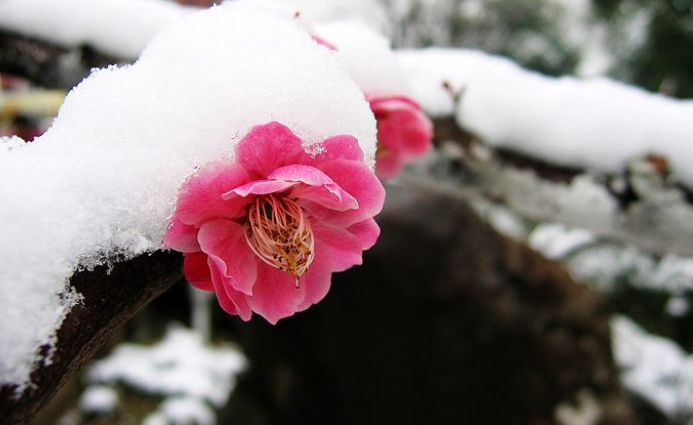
{"x":370,"y":61}
{"x":101,"y":183}
{"x":180,"y":365}
{"x":606,"y":264}
{"x":596,"y":124}
{"x":654,"y":368}
{"x":120,"y":28}
{"x":98,"y":399}
{"x":556,"y":240}
{"x":366,"y":12}
{"x":182,"y":411}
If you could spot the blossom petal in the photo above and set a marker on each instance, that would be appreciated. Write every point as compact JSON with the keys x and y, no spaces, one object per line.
{"x":388,"y":164}
{"x":181,"y":237}
{"x":367,"y":231}
{"x":200,"y":197}
{"x":344,"y":147}
{"x":360,"y":182}
{"x":317,"y":187}
{"x":224,"y":242}
{"x":275,"y":295}
{"x":268,"y":147}
{"x":410,"y":130}
{"x":392,"y":103}
{"x":259,"y":187}
{"x":197,"y":272}
{"x":232,"y":301}
{"x":341,"y":248}
{"x":316,"y":281}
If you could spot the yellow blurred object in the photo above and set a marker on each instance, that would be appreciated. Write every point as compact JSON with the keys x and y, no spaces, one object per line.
{"x":38,"y":103}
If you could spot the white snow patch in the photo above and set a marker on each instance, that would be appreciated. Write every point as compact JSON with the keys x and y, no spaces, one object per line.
{"x":117,"y":27}
{"x":182,"y":411}
{"x":596,"y":124}
{"x":180,"y":365}
{"x":556,"y":240}
{"x":98,"y":399}
{"x":104,"y":178}
{"x":366,"y":12}
{"x":368,"y":56}
{"x":654,"y":368}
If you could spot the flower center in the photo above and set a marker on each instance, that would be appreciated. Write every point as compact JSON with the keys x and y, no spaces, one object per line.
{"x":279,"y":233}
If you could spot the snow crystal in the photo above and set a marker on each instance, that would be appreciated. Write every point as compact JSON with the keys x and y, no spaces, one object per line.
{"x":120,"y":28}
{"x":556,"y":241}
{"x":98,"y":399}
{"x":181,"y":365}
{"x":597,"y":123}
{"x":368,"y":56}
{"x":653,"y":367}
{"x":103,"y":179}
{"x":182,"y":411}
{"x":366,"y":12}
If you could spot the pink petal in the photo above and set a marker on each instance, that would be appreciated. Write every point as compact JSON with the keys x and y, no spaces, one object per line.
{"x":360,"y":182}
{"x":275,"y":295}
{"x":224,"y":241}
{"x":318,"y":187}
{"x":200,"y":197}
{"x":341,"y":248}
{"x":258,"y":187}
{"x":316,"y":281}
{"x":391,"y":103}
{"x":413,"y":128}
{"x":404,"y":133}
{"x":267,"y":147}
{"x":388,"y":165}
{"x":324,"y":43}
{"x":340,"y":147}
{"x":197,"y":272}
{"x":367,"y":231}
{"x":232,"y":301}
{"x":181,"y":237}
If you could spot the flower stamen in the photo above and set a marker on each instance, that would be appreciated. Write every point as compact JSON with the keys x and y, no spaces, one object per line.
{"x":279,"y":233}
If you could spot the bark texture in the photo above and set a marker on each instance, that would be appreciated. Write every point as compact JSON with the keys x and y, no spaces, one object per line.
{"x":110,"y":299}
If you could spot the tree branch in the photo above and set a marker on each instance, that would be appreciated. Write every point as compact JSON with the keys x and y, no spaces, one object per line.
{"x":642,"y":206}
{"x":110,"y":299}
{"x":46,"y":64}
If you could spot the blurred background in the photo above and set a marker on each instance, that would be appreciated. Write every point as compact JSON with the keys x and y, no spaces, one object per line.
{"x":466,"y":311}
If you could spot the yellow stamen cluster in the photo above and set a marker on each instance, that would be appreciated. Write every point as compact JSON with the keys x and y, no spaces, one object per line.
{"x":279,"y":233}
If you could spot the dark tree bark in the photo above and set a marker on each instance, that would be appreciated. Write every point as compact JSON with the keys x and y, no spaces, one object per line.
{"x":46,"y":64}
{"x":110,"y":299}
{"x":446,"y":322}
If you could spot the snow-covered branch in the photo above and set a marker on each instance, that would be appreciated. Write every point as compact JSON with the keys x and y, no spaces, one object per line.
{"x":107,"y":300}
{"x":593,"y":154}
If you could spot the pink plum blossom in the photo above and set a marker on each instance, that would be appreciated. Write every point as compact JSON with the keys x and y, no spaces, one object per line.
{"x":266,"y":232}
{"x":404,"y":133}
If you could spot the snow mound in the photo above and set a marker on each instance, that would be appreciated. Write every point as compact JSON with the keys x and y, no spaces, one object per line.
{"x":597,"y":123}
{"x":102,"y":181}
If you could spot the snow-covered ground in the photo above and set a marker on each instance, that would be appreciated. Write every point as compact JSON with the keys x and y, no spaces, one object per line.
{"x":654,"y":368}
{"x":189,"y":374}
{"x":179,"y":365}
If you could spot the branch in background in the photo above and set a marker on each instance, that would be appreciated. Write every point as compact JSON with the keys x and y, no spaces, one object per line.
{"x":641,"y":206}
{"x":46,"y":64}
{"x":110,"y":299}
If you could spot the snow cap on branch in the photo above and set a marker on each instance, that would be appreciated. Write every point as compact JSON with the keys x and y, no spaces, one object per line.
{"x":103,"y":180}
{"x":120,"y":28}
{"x":597,"y":124}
